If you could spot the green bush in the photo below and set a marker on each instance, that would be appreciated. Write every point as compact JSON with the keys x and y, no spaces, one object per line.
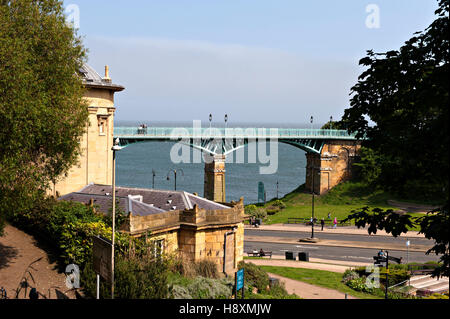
{"x":255,"y":276}
{"x":349,"y":275}
{"x":206,"y":268}
{"x":279,"y":203}
{"x":135,"y":278}
{"x":202,"y":288}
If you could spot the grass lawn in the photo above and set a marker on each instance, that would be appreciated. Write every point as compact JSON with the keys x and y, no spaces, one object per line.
{"x":327,"y":279}
{"x":340,"y":202}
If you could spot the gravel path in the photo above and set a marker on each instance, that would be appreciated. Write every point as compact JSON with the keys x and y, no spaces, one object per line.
{"x":25,"y":265}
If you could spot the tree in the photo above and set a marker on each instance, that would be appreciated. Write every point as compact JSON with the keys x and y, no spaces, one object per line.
{"x":434,"y":226}
{"x":42,"y":113}
{"x":405,"y":94}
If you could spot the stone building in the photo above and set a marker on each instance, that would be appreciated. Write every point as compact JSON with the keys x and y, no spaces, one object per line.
{"x":176,"y":222}
{"x":95,"y":162}
{"x":194,"y":227}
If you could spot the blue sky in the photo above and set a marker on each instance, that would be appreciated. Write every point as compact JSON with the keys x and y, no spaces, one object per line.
{"x":259,"y":61}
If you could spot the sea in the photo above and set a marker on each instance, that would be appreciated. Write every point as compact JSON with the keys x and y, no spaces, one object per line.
{"x":136,"y":163}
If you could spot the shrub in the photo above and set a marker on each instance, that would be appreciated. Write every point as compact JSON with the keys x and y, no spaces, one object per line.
{"x":359,"y":284}
{"x":202,"y":288}
{"x":135,"y":278}
{"x":279,"y":203}
{"x":206,"y":268}
{"x":349,"y":275}
{"x":255,"y":276}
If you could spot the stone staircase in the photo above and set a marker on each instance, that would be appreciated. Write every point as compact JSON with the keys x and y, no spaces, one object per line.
{"x":425,"y":284}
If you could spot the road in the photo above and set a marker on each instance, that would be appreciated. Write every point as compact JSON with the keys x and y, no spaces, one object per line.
{"x":353,"y":254}
{"x":340,"y":237}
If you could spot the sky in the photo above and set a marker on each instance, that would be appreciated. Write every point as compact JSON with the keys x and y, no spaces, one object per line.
{"x":261,"y":61}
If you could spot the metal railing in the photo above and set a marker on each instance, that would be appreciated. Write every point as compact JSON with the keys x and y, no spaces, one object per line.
{"x":190,"y":132}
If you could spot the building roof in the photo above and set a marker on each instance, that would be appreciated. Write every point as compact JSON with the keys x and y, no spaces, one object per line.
{"x":141,"y":201}
{"x":92,"y":79}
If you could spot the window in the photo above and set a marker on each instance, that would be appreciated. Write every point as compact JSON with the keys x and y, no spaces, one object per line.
{"x":102,"y":122}
{"x":158,"y":248}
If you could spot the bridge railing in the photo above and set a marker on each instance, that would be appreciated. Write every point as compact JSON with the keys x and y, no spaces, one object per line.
{"x":189,"y":132}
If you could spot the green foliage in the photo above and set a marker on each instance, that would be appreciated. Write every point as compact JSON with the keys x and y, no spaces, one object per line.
{"x":279,"y":203}
{"x":42,"y":113}
{"x":436,"y":296}
{"x":433,"y":225}
{"x":204,"y":288}
{"x":369,"y":166}
{"x":206,"y":268}
{"x":349,"y":275}
{"x":359,"y":284}
{"x":255,"y":276}
{"x":334,"y":125}
{"x":135,"y":278}
{"x":405,"y":94}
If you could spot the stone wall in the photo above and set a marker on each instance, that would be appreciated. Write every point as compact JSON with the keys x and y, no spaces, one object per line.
{"x":332,"y":166}
{"x":196,"y":234}
{"x":95,"y":162}
{"x":214,"y":183}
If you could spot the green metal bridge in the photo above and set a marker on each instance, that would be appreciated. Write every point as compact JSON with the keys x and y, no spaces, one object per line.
{"x":221,"y":141}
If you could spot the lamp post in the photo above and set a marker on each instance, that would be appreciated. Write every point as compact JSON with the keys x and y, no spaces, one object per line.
{"x":210,"y":120}
{"x":331,"y":122}
{"x":115,"y":149}
{"x":387,"y":275}
{"x":153,"y":178}
{"x":312,"y":205}
{"x":175,"y":173}
{"x":312,"y":120}
{"x":277,"y":189}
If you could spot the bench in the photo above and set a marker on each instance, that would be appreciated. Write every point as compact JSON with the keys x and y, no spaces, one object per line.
{"x":307,"y":221}
{"x":259,"y":254}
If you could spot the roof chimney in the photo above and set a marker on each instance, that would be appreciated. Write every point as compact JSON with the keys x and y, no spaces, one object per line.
{"x":107,"y":78}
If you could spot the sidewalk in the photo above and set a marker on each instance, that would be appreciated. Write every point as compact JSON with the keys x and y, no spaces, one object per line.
{"x":348,"y":230}
{"x":22,"y":259}
{"x":308,"y":291}
{"x":315,"y":263}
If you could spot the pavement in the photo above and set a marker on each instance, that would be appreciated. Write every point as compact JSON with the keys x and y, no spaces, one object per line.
{"x":25,"y":264}
{"x":339,"y":230}
{"x":307,"y":291}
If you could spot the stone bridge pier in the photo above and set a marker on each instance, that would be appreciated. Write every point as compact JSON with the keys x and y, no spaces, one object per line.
{"x":332,"y":166}
{"x":214,"y":186}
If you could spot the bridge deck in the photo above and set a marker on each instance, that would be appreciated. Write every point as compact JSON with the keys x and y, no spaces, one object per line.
{"x":168,"y":133}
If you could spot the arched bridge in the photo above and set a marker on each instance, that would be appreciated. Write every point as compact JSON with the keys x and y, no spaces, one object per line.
{"x":221,"y":141}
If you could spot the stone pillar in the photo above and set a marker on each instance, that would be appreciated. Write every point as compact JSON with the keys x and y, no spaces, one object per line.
{"x":332,"y":166}
{"x":214,"y":187}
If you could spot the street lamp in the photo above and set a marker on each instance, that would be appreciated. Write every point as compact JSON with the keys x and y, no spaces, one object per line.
{"x":312,"y":205}
{"x":312,"y":120}
{"x":175,"y":173}
{"x":115,"y":149}
{"x":331,"y":122}
{"x":226,"y":121}
{"x":277,"y":189}
{"x":153,"y":178}
{"x":210,"y":120}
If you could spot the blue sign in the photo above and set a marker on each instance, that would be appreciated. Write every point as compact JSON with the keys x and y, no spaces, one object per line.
{"x":240,"y":279}
{"x":261,"y":192}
